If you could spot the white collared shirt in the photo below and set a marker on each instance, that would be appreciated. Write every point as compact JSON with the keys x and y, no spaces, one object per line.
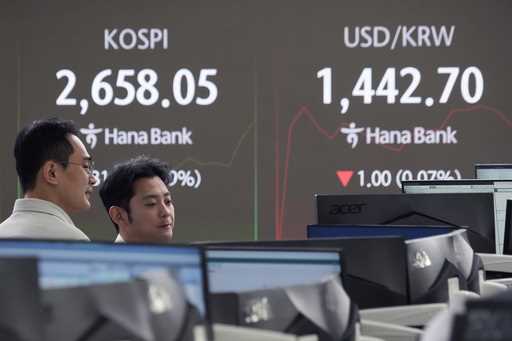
{"x":119,"y":239}
{"x":39,"y":219}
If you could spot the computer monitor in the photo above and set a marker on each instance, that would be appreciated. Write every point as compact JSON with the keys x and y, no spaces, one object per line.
{"x":233,"y":269}
{"x":488,"y":318}
{"x":507,"y":244}
{"x":493,"y":171}
{"x":242,"y":278}
{"x":21,"y":317}
{"x":434,"y":260}
{"x":473,"y":211}
{"x":360,"y":230}
{"x":374,"y":269}
{"x":67,"y":264}
{"x":500,"y":189}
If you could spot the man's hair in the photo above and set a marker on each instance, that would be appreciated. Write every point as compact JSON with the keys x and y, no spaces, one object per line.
{"x":39,"y":142}
{"x":118,"y":187}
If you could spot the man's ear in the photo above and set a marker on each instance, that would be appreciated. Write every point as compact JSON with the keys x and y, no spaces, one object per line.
{"x":50,"y":172}
{"x":118,"y":215}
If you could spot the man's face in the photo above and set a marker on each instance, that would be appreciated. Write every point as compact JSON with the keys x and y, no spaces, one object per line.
{"x":151,"y":213}
{"x":75,"y":186}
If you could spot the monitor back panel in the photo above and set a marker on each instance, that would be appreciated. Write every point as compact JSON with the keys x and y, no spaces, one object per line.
{"x":500,"y":189}
{"x":474,"y":211}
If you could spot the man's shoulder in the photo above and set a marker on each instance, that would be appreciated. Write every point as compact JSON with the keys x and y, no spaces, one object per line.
{"x":7,"y":225}
{"x":38,"y":225}
{"x":13,"y":223}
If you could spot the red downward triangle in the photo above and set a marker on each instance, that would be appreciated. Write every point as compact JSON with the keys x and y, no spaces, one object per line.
{"x":344,"y":176}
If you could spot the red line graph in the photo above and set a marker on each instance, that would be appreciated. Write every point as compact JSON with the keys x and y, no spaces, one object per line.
{"x":305,"y":112}
{"x":450,"y":117}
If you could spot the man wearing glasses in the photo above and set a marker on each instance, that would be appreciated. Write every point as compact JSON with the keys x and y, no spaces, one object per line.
{"x":55,"y":173}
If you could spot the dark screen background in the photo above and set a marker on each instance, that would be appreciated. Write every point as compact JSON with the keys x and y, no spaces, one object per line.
{"x":267,"y":143}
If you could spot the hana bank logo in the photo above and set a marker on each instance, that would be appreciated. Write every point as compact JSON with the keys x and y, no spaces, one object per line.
{"x":151,"y":136}
{"x":352,"y":134}
{"x":90,"y":134}
{"x":414,"y":135}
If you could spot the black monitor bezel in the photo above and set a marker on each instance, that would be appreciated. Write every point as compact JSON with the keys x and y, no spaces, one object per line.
{"x":507,"y":243}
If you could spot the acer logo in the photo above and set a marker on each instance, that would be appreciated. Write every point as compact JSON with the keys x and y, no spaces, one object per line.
{"x":346,"y":209}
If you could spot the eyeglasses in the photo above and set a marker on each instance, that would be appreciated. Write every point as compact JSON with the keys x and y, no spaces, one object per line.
{"x":88,"y":165}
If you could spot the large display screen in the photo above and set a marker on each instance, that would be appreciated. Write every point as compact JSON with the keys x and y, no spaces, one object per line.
{"x":258,"y":105}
